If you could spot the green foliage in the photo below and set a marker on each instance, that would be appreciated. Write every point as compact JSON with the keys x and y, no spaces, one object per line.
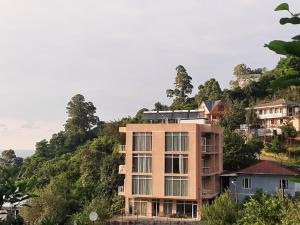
{"x":81,"y":115}
{"x":242,"y":69}
{"x":287,"y":48}
{"x":236,"y":116}
{"x":224,"y":211}
{"x":288,"y":130}
{"x":237,"y":153}
{"x":209,"y":91}
{"x":160,"y":107}
{"x":265,"y":210}
{"x":276,"y":147}
{"x":252,"y":118}
{"x":183,"y":88}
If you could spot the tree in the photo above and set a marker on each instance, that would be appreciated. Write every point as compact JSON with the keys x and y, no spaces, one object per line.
{"x":291,"y":49}
{"x":223,"y":211}
{"x":183,"y":88}
{"x":81,"y":115}
{"x":251,"y":118}
{"x":209,"y":91}
{"x":242,"y":69}
{"x":288,"y":130}
{"x":237,"y":153}
{"x":276,"y":147}
{"x":232,"y":119}
{"x":160,"y":107}
{"x":41,"y":149}
{"x":265,"y":210}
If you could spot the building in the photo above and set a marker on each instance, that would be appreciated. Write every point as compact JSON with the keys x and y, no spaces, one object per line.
{"x":171,"y":168}
{"x":213,"y":110}
{"x":275,"y":114}
{"x":268,"y":176}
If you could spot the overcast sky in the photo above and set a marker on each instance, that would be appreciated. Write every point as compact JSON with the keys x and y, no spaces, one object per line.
{"x":120,"y":54}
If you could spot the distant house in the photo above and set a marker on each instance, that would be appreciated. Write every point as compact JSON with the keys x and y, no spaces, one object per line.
{"x":213,"y":110}
{"x":268,"y":176}
{"x":274,"y":114}
{"x":244,"y":80}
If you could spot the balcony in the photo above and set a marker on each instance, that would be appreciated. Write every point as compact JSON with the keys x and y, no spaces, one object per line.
{"x":122,"y":169}
{"x":272,"y":115}
{"x":121,"y":190}
{"x":122,"y":148}
{"x":208,"y":149}
{"x":207,"y":170}
{"x":207,"y":193}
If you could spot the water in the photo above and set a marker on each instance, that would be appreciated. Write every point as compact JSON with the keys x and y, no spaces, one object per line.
{"x":24,"y":153}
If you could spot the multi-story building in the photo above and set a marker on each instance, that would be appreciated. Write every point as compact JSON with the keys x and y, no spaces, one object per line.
{"x":274,"y":114}
{"x":171,"y":168}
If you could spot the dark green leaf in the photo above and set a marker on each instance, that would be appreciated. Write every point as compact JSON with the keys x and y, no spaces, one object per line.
{"x":282,"y":6}
{"x":285,"y":48}
{"x":296,"y":37}
{"x":292,"y":20}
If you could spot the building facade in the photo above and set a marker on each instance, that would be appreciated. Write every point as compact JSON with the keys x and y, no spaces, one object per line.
{"x":267,"y":176}
{"x":171,"y":168}
{"x":275,"y":114}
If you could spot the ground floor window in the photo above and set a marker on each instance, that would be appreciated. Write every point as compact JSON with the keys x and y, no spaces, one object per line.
{"x":138,"y":207}
{"x":186,"y":208}
{"x":168,"y":208}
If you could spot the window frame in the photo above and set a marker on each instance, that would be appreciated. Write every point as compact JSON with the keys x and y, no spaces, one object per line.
{"x":249,"y":183}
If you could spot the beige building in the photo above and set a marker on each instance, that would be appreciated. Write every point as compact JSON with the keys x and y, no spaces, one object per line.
{"x":275,"y":114}
{"x":171,"y":168}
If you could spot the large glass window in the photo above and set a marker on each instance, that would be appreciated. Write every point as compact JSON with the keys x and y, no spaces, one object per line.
{"x":176,"y":186}
{"x":142,"y":141}
{"x":177,"y":141}
{"x":176,"y":164}
{"x":141,"y":185}
{"x":186,"y":208}
{"x":141,"y":163}
{"x":168,"y":208}
{"x":138,"y":207}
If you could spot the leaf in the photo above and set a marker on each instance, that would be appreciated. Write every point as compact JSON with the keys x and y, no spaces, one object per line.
{"x":296,"y":37}
{"x":285,"y":48}
{"x":292,"y":20}
{"x":282,"y":6}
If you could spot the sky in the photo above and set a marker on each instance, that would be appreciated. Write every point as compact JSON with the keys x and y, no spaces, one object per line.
{"x":120,"y":54}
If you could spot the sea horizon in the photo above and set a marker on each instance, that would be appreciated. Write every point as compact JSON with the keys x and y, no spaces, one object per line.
{"x":24,"y":153}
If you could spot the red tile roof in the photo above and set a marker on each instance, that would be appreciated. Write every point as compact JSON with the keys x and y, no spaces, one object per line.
{"x":268,"y":167}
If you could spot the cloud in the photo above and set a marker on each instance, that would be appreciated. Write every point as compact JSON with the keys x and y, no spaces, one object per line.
{"x":29,"y":125}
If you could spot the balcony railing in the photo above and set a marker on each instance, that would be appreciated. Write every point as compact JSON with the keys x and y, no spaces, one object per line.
{"x":121,"y":190}
{"x":122,"y":148}
{"x":207,"y":193}
{"x":208,"y":148}
{"x":122,"y":169}
{"x":207,"y":170}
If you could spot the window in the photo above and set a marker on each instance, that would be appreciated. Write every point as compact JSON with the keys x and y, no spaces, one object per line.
{"x":283,"y":184}
{"x":276,"y":110}
{"x":141,"y":163}
{"x":137,"y":207}
{"x":271,"y":111}
{"x":259,"y":112}
{"x":176,"y":164}
{"x":142,"y":141}
{"x":186,"y":208}
{"x":246,"y":183}
{"x":141,"y":185}
{"x":176,"y":141}
{"x":176,"y":186}
{"x":168,"y":208}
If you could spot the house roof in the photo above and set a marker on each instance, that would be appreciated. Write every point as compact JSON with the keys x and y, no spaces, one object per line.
{"x":210,"y":105}
{"x":280,"y":101}
{"x":268,"y":167}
